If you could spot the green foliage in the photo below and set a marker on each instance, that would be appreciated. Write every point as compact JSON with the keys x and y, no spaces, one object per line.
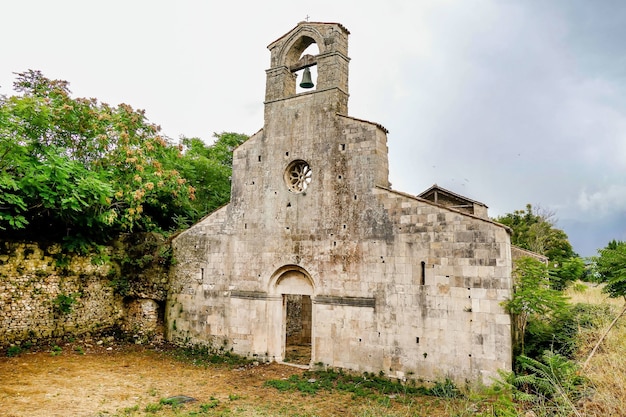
{"x":64,"y":303}
{"x":533,"y":229}
{"x":80,"y":168}
{"x":445,"y":389}
{"x":532,"y":297}
{"x":551,"y":384}
{"x":609,"y":267}
{"x":14,"y":350}
{"x":209,"y":169}
{"x":569,"y":270}
{"x":205,"y":407}
{"x":153,"y":408}
{"x":366,"y":386}
{"x":205,"y":356}
{"x":559,"y":331}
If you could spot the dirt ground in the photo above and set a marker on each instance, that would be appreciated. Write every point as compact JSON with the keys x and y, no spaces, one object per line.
{"x":98,"y":381}
{"x":123,"y":380}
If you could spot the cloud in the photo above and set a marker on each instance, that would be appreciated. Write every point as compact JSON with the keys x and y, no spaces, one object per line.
{"x":604,"y":202}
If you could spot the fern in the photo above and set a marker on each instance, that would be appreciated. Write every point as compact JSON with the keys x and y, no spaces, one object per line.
{"x":552,"y":382}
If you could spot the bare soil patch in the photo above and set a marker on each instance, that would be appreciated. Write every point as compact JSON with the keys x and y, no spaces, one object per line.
{"x":129,"y":380}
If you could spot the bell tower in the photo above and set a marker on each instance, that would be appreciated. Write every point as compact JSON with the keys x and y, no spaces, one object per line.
{"x":332,"y":63}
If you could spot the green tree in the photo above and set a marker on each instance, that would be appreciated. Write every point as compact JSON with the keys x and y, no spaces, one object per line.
{"x":78,"y":167}
{"x":610,"y":268}
{"x":532,"y":298}
{"x":534,"y":229}
{"x":209,"y":169}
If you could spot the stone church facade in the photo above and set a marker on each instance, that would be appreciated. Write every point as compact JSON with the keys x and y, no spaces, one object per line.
{"x":382,"y":280}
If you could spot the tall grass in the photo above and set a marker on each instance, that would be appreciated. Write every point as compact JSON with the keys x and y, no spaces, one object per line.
{"x":607,"y":369}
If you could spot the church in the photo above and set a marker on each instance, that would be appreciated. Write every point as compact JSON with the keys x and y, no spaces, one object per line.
{"x":316,"y":254}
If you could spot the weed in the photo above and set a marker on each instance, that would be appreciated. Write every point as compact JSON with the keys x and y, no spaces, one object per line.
{"x":120,"y":285}
{"x":14,"y":350}
{"x":79,"y":350}
{"x":153,"y":407}
{"x":205,"y":356}
{"x":207,"y":406}
{"x":64,"y":303}
{"x":130,"y":410}
{"x":233,"y":397}
{"x":177,"y":401}
{"x":445,"y":389}
{"x":552,"y":383}
{"x":365,"y":386}
{"x":56,"y":350}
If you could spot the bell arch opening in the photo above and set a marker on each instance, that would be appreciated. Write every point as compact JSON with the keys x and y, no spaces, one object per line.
{"x":306,"y":78}
{"x":317,"y":49}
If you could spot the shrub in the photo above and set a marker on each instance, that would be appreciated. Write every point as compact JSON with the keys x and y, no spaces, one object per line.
{"x":14,"y":350}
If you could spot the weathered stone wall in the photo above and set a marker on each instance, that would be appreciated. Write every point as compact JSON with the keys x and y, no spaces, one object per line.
{"x":517,"y":253}
{"x":45,"y":293}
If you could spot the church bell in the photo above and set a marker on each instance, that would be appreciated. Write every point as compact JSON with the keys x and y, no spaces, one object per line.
{"x":306,"y":79}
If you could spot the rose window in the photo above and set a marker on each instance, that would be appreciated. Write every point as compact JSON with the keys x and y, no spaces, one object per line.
{"x":298,"y":176}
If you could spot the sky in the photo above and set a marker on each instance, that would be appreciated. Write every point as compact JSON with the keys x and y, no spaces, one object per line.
{"x":505,"y":102}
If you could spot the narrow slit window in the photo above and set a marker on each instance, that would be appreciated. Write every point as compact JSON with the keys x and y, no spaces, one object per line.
{"x":423,"y":274}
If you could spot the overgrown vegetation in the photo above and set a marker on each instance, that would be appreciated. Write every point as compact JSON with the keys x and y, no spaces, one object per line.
{"x":85,"y":174}
{"x":533,"y":298}
{"x":64,"y":303}
{"x":205,"y":356}
{"x":366,"y":385}
{"x":77,"y":170}
{"x":549,"y":330}
{"x":534,"y":229}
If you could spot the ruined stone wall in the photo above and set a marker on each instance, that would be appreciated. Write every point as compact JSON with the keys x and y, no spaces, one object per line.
{"x":45,"y":293}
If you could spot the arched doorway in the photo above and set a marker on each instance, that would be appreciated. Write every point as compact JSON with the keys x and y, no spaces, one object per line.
{"x":293,"y":287}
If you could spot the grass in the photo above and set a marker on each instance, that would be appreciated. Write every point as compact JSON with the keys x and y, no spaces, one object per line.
{"x":607,"y":369}
{"x":205,"y":356}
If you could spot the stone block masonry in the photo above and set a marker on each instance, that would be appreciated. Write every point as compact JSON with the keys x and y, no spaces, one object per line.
{"x":45,"y":294}
{"x":315,"y":246}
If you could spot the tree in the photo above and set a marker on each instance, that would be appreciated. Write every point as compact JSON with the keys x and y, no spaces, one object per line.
{"x":610,"y":268}
{"x":534,"y":229}
{"x":72,"y":167}
{"x":532,"y":297}
{"x":209,"y":169}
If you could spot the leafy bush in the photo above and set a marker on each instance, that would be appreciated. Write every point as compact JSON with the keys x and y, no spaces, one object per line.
{"x":551,"y":384}
{"x":81,"y":169}
{"x":14,"y":350}
{"x":533,"y":299}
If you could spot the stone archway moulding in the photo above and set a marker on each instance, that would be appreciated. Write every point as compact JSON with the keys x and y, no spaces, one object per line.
{"x":291,"y":50}
{"x":291,"y":279}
